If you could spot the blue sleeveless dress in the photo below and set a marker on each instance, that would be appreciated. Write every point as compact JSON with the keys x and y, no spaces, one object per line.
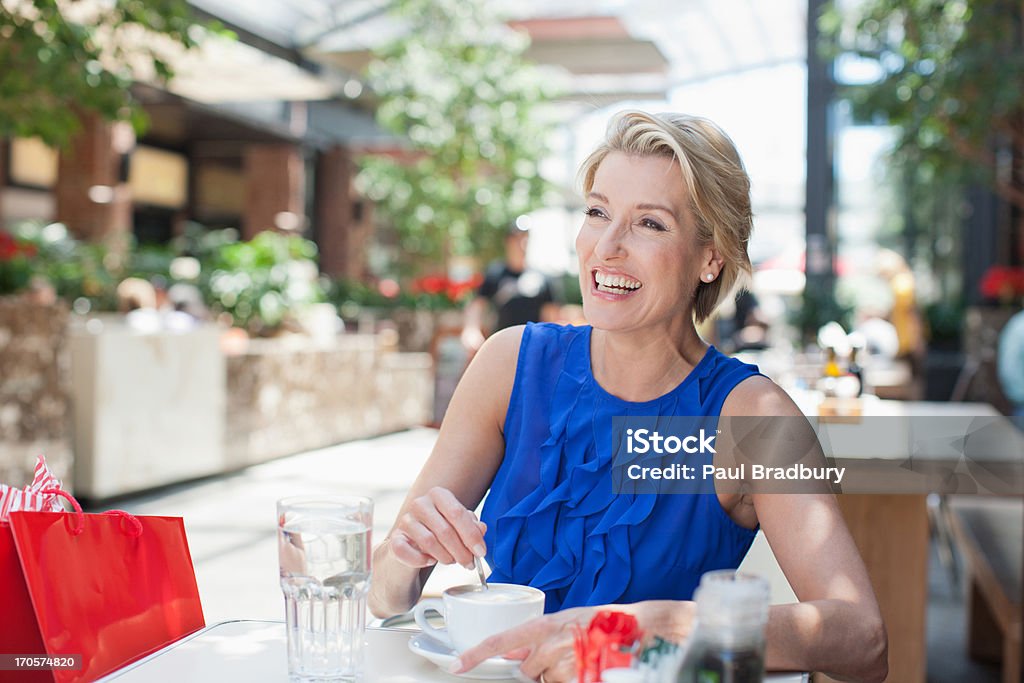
{"x":552,"y":519}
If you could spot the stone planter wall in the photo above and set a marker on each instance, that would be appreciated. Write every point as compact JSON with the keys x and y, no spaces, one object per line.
{"x":148,"y":407}
{"x":115,"y":411}
{"x":285,"y":396}
{"x":33,"y":389}
{"x":418,"y":329}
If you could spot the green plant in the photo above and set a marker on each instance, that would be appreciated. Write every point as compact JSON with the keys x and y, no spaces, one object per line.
{"x":945,"y":322}
{"x":76,"y":270}
{"x":949,"y":80}
{"x":15,"y":263}
{"x":456,"y":89}
{"x":259,"y":283}
{"x":60,"y":59}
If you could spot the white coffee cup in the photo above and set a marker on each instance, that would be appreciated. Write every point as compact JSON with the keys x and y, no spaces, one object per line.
{"x":472,"y":614}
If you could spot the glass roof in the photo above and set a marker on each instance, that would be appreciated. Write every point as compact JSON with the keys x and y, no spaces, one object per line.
{"x":701,"y":39}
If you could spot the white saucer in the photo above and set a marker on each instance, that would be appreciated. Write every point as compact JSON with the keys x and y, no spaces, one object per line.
{"x":495,"y":668}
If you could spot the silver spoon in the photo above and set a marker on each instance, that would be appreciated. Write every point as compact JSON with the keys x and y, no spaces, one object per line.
{"x":480,"y":572}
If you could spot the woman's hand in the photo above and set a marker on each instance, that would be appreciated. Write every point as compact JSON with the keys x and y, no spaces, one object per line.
{"x":436,"y":527}
{"x":546,"y":645}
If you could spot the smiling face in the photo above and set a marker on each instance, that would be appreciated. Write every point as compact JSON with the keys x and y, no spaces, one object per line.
{"x":640,"y":262}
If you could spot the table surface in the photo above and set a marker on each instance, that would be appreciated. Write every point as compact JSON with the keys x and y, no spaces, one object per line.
{"x":917,"y":446}
{"x":254,"y":651}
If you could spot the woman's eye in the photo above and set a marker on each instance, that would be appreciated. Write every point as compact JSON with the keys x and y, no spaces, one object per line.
{"x":593,"y":212}
{"x":653,"y":224}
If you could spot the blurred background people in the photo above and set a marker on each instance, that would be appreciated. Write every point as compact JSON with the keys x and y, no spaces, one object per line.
{"x":746,"y":327}
{"x":903,"y":315}
{"x":1010,"y":362}
{"x":512,"y":291}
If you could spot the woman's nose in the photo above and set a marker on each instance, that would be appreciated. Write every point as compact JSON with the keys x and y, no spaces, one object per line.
{"x":611,"y":244}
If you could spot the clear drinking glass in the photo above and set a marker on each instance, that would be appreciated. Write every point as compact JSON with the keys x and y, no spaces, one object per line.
{"x":324,"y":552}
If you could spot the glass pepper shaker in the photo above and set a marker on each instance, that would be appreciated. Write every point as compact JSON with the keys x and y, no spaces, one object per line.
{"x":728,"y":641}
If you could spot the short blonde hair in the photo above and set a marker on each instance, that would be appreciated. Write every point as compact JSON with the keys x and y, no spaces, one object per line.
{"x":716,"y":181}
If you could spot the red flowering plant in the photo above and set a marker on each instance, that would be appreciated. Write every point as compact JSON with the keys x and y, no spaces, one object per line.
{"x":440,"y":292}
{"x":1004,"y":284}
{"x":16,"y":261}
{"x":609,"y":641}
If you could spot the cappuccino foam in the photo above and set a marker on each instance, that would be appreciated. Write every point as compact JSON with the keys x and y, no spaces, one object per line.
{"x":495,"y":594}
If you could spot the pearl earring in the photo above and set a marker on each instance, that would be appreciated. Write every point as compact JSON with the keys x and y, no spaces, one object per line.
{"x":709,"y":277}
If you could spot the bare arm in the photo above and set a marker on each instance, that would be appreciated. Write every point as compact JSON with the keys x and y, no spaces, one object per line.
{"x":836,"y":627}
{"x":435,"y":523}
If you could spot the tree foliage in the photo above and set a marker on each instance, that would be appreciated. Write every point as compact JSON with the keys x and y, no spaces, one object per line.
{"x":951,"y":79}
{"x":456,"y":87}
{"x":60,"y":58}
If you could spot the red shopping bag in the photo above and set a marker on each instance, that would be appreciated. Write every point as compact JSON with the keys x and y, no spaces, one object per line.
{"x":110,"y":587}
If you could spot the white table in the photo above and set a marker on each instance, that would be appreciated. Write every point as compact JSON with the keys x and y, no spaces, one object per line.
{"x":254,"y":651}
{"x":897,"y":453}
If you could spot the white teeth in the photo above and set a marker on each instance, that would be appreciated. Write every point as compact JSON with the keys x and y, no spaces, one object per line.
{"x":606,"y":281}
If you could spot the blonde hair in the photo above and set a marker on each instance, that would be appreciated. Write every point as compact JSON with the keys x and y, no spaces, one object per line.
{"x":717,"y":185}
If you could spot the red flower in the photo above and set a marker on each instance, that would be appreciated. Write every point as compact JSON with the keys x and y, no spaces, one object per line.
{"x":1002,"y":282}
{"x":11,"y":248}
{"x":607,"y":644}
{"x":457,"y":291}
{"x":431,"y":284}
{"x":8,"y":247}
{"x":617,"y":626}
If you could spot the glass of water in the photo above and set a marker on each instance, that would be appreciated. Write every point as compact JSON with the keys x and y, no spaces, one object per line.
{"x":324,"y":553}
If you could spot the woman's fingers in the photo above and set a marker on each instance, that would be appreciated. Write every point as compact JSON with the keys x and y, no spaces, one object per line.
{"x":433,"y":514}
{"x":439,"y":526}
{"x":463,"y":521}
{"x":407,"y":553}
{"x":525,"y":636}
{"x":519,"y":655}
{"x":555,"y":658}
{"x":426,"y":540}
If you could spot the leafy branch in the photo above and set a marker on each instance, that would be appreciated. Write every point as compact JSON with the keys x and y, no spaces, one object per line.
{"x":949,"y":80}
{"x":60,"y":58}
{"x":457,"y":88}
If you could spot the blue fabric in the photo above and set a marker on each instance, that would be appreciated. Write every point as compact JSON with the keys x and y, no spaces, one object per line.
{"x":1010,"y":362}
{"x":552,"y":519}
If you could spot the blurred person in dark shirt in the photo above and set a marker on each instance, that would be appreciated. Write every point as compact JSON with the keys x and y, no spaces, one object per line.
{"x":517,"y":293}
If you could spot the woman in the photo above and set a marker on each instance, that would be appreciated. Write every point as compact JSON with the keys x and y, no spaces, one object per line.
{"x":662,"y":243}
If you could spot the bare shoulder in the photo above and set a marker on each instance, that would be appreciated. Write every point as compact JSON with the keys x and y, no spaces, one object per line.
{"x":500,"y":353}
{"x":757,"y":396}
{"x":485,"y":389}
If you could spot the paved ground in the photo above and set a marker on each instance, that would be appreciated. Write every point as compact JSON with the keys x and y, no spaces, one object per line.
{"x":230,"y":520}
{"x":230,"y":524}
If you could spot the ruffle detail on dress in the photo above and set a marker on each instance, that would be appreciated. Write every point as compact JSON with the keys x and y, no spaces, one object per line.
{"x":573,"y":506}
{"x":569,"y":534}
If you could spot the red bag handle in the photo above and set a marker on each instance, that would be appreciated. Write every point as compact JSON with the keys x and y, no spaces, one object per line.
{"x":79,"y":515}
{"x":135,"y":529}
{"x":136,"y":525}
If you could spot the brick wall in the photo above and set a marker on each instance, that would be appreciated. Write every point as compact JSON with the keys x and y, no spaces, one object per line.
{"x":274,"y":183}
{"x":344,"y":220}
{"x":91,"y":199}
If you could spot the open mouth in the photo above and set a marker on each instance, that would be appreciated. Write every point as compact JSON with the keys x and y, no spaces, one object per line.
{"x":615,"y":284}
